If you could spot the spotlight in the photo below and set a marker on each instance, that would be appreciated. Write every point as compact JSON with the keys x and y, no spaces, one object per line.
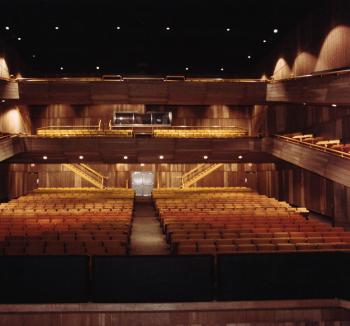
{"x":3,"y":101}
{"x":205,"y":157}
{"x":7,"y":28}
{"x":222,"y":69}
{"x":249,"y":57}
{"x":44,"y":157}
{"x":118,"y":27}
{"x":125,"y":157}
{"x":97,"y":67}
{"x":187,"y":68}
{"x":61,"y":68}
{"x":334,"y":105}
{"x":240,"y":157}
{"x":81,"y":157}
{"x":19,"y":38}
{"x":32,"y":165}
{"x":142,"y":164}
{"x":167,"y":28}
{"x":275,"y":30}
{"x":33,"y":56}
{"x":228,"y":29}
{"x":57,"y":28}
{"x":161,"y":157}
{"x":264,"y":41}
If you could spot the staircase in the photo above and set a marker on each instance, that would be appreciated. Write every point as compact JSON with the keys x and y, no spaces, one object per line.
{"x":88,"y":174}
{"x":198,"y":173}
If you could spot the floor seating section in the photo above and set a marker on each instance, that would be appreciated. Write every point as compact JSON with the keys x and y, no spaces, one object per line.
{"x":333,"y":144}
{"x":238,"y":220}
{"x":199,"y":133}
{"x":71,"y":221}
{"x":127,"y":133}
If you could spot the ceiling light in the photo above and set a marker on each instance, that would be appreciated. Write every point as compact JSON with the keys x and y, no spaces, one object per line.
{"x":32,"y":165}
{"x":125,"y":157}
{"x":44,"y":157}
{"x":222,"y":69}
{"x":240,"y":157}
{"x":33,"y":56}
{"x":81,"y":157}
{"x":97,"y":67}
{"x":57,"y":28}
{"x":228,"y":29}
{"x":187,"y":68}
{"x":19,"y":38}
{"x":167,"y":28}
{"x":275,"y":30}
{"x":142,"y":164}
{"x":3,"y":101}
{"x":250,"y":164}
{"x":7,"y":28}
{"x":161,"y":157}
{"x":334,"y":105}
{"x":264,"y":41}
{"x":61,"y":68}
{"x":118,"y":27}
{"x":205,"y":157}
{"x":249,"y":57}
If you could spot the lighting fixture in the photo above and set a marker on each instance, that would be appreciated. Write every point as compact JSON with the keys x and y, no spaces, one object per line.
{"x":118,"y":27}
{"x":97,"y":67}
{"x":167,"y":28}
{"x":205,"y":157}
{"x":161,"y":157}
{"x":44,"y":157}
{"x":7,"y":28}
{"x":264,"y":41}
{"x":228,"y":29}
{"x":240,"y":157}
{"x":249,"y":57}
{"x":32,"y":165}
{"x":3,"y":101}
{"x":187,"y":68}
{"x":57,"y":28}
{"x":19,"y":38}
{"x":275,"y":30}
{"x":81,"y":157}
{"x":33,"y":56}
{"x":222,"y":69}
{"x":125,"y":157}
{"x":142,"y":164}
{"x":334,"y":105}
{"x":61,"y":68}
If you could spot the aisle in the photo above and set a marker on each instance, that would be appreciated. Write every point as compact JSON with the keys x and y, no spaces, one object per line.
{"x":146,"y":237}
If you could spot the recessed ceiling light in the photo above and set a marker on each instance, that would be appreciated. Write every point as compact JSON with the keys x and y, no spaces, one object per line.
{"x":187,"y":68}
{"x":33,"y":55}
{"x":32,"y":165}
{"x":240,"y":157}
{"x":161,"y":157}
{"x":142,"y":164}
{"x":228,"y":29}
{"x":19,"y":38}
{"x":3,"y":101}
{"x":205,"y":157}
{"x":57,"y":28}
{"x":118,"y":27}
{"x":44,"y":157}
{"x":264,"y":41}
{"x":222,"y":69}
{"x":97,"y":67}
{"x":275,"y":30}
{"x":249,"y":57}
{"x":7,"y":28}
{"x":334,"y":105}
{"x":61,"y":68}
{"x":167,"y":28}
{"x":125,"y":157}
{"x":81,"y":157}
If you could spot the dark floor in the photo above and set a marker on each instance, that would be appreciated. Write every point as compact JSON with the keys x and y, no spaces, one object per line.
{"x":147,"y":237}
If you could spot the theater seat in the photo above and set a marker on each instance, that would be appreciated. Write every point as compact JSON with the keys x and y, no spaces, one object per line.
{"x":266,"y":247}
{"x":246,"y":247}
{"x":186,"y":250}
{"x":285,"y":247}
{"x":226,"y":248}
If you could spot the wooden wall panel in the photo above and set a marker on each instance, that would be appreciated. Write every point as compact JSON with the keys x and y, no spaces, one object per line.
{"x":15,"y":119}
{"x":321,"y":42}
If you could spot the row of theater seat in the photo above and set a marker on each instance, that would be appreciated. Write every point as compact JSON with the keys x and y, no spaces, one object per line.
{"x":26,"y":230}
{"x":230,"y":230}
{"x":333,"y":144}
{"x":199,"y":133}
{"x":125,"y":133}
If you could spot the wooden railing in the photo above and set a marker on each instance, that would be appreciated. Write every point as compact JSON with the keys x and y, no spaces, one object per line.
{"x":315,"y":146}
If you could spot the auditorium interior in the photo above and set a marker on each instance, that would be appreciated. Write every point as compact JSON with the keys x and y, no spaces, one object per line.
{"x":174,"y":162}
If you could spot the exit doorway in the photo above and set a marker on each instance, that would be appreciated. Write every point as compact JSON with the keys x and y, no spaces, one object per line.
{"x":142,"y":183}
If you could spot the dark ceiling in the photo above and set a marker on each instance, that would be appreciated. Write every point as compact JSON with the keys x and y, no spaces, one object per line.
{"x":197,"y":37}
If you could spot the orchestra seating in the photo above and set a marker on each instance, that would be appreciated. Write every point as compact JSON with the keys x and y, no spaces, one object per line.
{"x":234,"y":220}
{"x":127,"y":133}
{"x":67,"y":221}
{"x":199,"y":133}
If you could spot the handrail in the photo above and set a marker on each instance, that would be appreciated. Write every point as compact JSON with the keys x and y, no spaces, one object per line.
{"x":316,"y":147}
{"x":93,"y":171}
{"x":198,"y":167}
